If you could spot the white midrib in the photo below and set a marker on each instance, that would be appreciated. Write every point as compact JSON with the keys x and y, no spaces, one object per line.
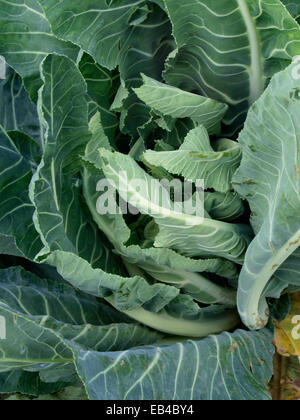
{"x":163,"y":322}
{"x":222,"y":295}
{"x":256,"y":70}
{"x":54,"y":184}
{"x":253,"y":315}
{"x":150,"y":207}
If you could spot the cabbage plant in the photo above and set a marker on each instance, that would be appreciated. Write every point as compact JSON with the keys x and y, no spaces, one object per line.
{"x":103,"y":105}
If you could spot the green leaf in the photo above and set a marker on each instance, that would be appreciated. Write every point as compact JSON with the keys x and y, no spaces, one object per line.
{"x":28,"y":383}
{"x":293,"y":7}
{"x":269,"y":179}
{"x":158,"y":306}
{"x":163,"y":265}
{"x":124,"y":293}
{"x":281,"y":308}
{"x":25,"y":292}
{"x":68,"y":394}
{"x":26,"y":39}
{"x":113,"y":225}
{"x":8,"y":246}
{"x":226,"y":207}
{"x":159,"y":2}
{"x":101,"y":86}
{"x":99,"y":29}
{"x":169,"y":267}
{"x":176,"y":103}
{"x":197,"y":159}
{"x":17,"y":162}
{"x":210,"y":238}
{"x":61,"y":217}
{"x":41,"y":315}
{"x":228,"y":49}
{"x":188,"y":234}
{"x":53,"y":210}
{"x":234,"y":366}
{"x":17,"y":112}
{"x":176,"y":137}
{"x":71,"y":393}
{"x":144,"y":51}
{"x":28,"y":344}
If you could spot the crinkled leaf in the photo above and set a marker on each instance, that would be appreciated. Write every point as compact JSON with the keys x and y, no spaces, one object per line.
{"x":158,"y":306}
{"x":163,"y":265}
{"x":169,"y":267}
{"x":190,"y":235}
{"x":177,"y":103}
{"x":197,"y":159}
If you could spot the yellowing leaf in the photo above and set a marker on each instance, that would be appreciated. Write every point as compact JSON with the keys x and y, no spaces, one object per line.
{"x":287,"y":332}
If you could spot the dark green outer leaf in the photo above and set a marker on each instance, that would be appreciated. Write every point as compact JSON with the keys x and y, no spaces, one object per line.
{"x":17,"y":112}
{"x":234,"y":366}
{"x":227,"y":49}
{"x":26,"y":39}
{"x":28,"y":383}
{"x":97,"y":27}
{"x":40,"y":315}
{"x":8,"y":246}
{"x":293,"y":7}
{"x":61,"y":216}
{"x":17,"y":161}
{"x":71,"y":393}
{"x":101,"y":85}
{"x":145,"y":49}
